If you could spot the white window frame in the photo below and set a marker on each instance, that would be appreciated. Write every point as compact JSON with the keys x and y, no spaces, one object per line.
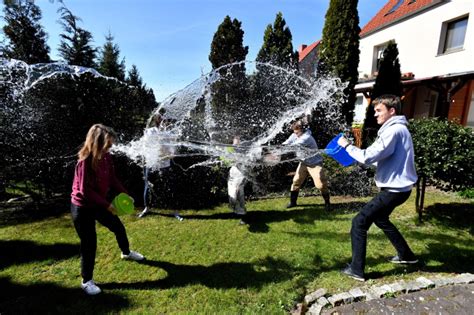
{"x":377,"y":56}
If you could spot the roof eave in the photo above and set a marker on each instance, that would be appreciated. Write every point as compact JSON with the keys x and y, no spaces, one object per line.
{"x":415,"y":12}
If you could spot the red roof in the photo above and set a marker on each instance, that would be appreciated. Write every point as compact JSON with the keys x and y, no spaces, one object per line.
{"x":383,"y":17}
{"x":307,"y":49}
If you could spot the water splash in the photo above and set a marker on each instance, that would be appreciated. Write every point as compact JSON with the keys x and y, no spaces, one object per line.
{"x":199,"y":126}
{"x":254,"y":100}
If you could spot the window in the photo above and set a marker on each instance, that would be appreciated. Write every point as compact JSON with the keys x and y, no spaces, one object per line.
{"x":378,"y":56}
{"x":453,"y":34}
{"x":470,"y":114}
{"x":395,"y":7}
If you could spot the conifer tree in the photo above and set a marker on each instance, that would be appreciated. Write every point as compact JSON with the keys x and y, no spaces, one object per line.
{"x":388,"y":81}
{"x":75,"y":46}
{"x":339,"y":51}
{"x":277,"y":45}
{"x":109,"y":64}
{"x":227,"y":44}
{"x":229,"y":92}
{"x":27,"y":39}
{"x":389,"y":78}
{"x":269,"y":90}
{"x":134,"y":78}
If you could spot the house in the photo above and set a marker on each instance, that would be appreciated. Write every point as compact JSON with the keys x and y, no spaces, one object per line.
{"x":435,"y":40}
{"x":308,"y":59}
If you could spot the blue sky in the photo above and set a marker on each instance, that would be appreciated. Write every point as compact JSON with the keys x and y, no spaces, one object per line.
{"x":169,"y":40}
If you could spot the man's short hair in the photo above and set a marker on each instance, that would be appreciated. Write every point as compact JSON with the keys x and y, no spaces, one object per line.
{"x":297,"y":125}
{"x":390,"y":101}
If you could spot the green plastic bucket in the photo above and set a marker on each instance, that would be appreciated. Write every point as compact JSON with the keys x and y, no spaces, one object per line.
{"x":124,"y":204}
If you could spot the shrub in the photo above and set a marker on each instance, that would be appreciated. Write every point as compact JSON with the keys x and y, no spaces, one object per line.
{"x":444,"y":153}
{"x":467,"y":193}
{"x":356,"y":181}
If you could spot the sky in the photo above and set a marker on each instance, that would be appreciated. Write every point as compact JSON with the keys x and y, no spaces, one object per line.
{"x":169,"y":40}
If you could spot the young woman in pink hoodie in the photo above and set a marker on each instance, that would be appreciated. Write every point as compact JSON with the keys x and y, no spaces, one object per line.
{"x":93,"y":178}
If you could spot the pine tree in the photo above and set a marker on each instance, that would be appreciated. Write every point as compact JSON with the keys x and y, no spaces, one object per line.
{"x":134,"y":78}
{"x":109,"y":64}
{"x":389,"y":78}
{"x":229,"y":91}
{"x":388,"y":81}
{"x":227,"y":44}
{"x":269,"y":85}
{"x":277,"y":47}
{"x":339,"y":51}
{"x":27,"y":39}
{"x":75,"y":46}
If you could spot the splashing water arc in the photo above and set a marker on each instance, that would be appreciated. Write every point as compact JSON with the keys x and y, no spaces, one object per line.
{"x":255,"y":101}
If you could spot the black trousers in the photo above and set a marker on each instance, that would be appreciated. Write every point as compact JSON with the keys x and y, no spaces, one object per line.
{"x":377,"y":211}
{"x":84,"y":221}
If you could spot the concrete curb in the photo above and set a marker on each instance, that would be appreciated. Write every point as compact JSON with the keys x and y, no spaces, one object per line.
{"x":318,"y":300}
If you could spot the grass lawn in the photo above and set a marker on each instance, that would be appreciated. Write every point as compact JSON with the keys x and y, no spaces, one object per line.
{"x":208,"y":263}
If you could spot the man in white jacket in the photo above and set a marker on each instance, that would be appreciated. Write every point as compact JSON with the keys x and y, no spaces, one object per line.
{"x":393,"y":155}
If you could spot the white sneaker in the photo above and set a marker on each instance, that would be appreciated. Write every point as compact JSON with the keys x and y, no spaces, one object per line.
{"x":143,"y":213}
{"x":133,"y":256}
{"x":90,"y":288}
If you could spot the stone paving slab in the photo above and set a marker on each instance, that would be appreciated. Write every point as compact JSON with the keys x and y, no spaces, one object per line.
{"x":455,"y":299}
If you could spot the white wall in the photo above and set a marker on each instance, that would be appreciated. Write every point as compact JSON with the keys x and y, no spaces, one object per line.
{"x":418,"y":40}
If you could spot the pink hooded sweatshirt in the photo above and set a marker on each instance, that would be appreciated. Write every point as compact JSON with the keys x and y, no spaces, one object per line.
{"x":89,"y":188}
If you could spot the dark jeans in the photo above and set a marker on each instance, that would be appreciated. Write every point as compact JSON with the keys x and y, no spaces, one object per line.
{"x":84,"y":221}
{"x":377,"y":211}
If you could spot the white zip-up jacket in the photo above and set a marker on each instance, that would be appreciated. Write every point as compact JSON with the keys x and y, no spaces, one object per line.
{"x":392,"y":153}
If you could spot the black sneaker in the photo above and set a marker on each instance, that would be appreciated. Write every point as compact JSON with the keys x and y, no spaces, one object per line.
{"x":291,"y":205}
{"x":398,"y":260}
{"x":348,"y":272}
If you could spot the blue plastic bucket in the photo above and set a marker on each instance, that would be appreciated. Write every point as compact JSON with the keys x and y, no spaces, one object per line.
{"x":339,"y":153}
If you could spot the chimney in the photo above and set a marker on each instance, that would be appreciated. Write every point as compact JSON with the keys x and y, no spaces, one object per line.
{"x":302,"y":47}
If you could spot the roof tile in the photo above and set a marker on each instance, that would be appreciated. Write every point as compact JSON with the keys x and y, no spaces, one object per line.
{"x":383,"y":18}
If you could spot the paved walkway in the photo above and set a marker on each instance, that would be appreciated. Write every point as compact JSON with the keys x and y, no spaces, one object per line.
{"x":438,"y":295}
{"x":447,"y":300}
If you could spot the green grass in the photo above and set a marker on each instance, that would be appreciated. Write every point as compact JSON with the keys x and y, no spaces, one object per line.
{"x":210,"y":264}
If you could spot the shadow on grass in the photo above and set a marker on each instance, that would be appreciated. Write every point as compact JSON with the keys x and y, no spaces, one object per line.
{"x":258,"y":220}
{"x":443,"y":253}
{"x":26,"y":211}
{"x":49,"y":298}
{"x":220,"y":275}
{"x":302,"y":214}
{"x":20,"y":252}
{"x":456,"y":215}
{"x":446,"y":257}
{"x":342,"y":207}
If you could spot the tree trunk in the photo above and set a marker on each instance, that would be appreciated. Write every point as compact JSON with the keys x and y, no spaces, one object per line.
{"x":420,"y":196}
